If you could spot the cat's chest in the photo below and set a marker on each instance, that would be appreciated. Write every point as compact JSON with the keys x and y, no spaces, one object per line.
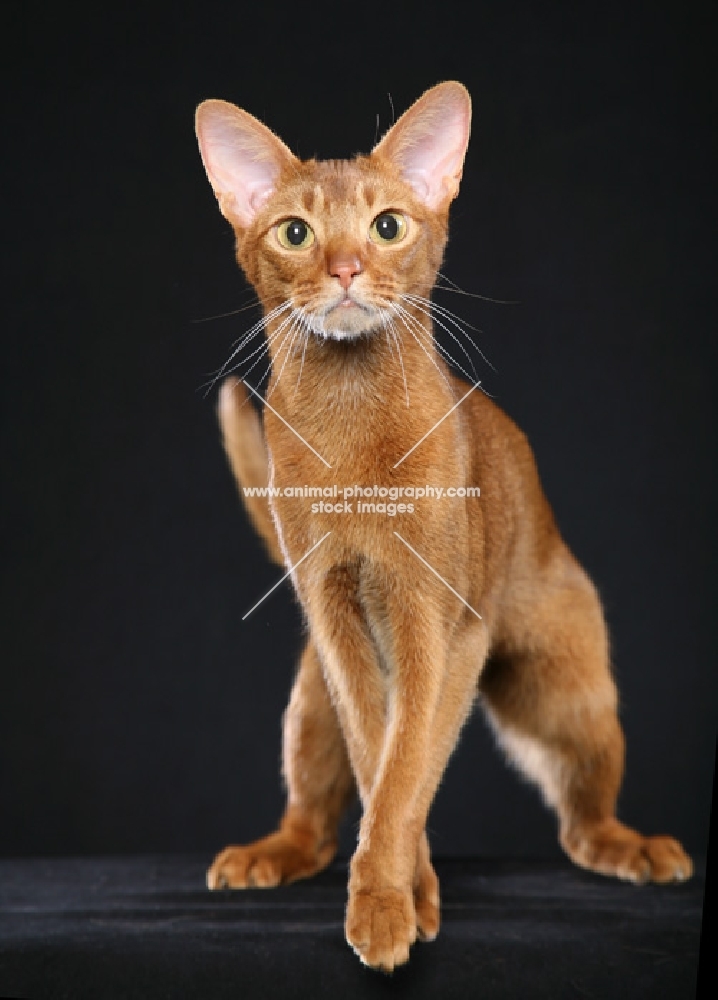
{"x":352,"y":489}
{"x":352,"y":464}
{"x":355,"y":438}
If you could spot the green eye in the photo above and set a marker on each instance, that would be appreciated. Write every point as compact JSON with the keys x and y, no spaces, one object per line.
{"x":294,"y":234}
{"x":389,"y":227}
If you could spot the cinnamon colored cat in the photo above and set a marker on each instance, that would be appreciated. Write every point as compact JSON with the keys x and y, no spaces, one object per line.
{"x":410,"y":617}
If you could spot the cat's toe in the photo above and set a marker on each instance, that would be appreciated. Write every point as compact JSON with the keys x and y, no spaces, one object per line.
{"x":264,"y":873}
{"x":216,"y":879}
{"x":381,"y":927}
{"x":427,"y":905}
{"x":669,"y":862}
{"x":227,"y":870}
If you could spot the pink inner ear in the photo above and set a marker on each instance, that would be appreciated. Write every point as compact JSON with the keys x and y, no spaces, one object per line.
{"x":429,"y":142}
{"x":429,"y":165}
{"x":243,"y":159}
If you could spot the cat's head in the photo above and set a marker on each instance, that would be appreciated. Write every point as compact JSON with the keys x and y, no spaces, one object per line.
{"x":340,"y":240}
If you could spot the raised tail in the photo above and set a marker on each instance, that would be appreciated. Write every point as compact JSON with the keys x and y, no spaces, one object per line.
{"x":243,"y":441}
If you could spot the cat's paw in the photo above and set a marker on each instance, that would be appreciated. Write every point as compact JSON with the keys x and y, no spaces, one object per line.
{"x":272,"y":861}
{"x":381,"y":927}
{"x":614,"y":849}
{"x":244,"y":868}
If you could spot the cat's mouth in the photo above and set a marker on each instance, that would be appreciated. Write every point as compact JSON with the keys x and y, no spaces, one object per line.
{"x":347,"y":302}
{"x":346,"y":319}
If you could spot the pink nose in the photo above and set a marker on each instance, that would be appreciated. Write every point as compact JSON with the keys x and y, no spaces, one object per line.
{"x":345,"y":267}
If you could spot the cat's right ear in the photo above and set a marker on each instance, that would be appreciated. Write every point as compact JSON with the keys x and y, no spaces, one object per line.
{"x":243,"y":159}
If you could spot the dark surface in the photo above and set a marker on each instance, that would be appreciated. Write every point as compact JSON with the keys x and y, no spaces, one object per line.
{"x":137,"y":711}
{"x":147,"y":927}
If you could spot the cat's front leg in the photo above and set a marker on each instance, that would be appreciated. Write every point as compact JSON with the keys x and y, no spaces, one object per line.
{"x":399,"y":762}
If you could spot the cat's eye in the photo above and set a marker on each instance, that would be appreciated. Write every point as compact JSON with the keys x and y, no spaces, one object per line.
{"x":389,"y":227}
{"x":295,"y":234}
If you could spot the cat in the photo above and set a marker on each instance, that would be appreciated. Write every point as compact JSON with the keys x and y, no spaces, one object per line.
{"x":414,"y":616}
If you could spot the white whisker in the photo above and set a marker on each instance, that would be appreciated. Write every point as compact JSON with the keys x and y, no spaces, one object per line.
{"x":232,"y":312}
{"x":430,"y":314}
{"x":262,"y":351}
{"x":403,"y":315}
{"x":307,"y":334}
{"x":261,"y":324}
{"x":293,"y":332}
{"x":455,"y":321}
{"x":473,"y":295}
{"x":441,"y":350}
{"x":388,"y":325}
{"x":256,"y":329}
{"x":446,"y":313}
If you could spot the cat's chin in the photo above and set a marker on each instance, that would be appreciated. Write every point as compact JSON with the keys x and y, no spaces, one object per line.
{"x":342,"y":323}
{"x":340,"y":334}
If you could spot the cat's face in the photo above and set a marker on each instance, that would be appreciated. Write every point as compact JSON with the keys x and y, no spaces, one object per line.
{"x":340,"y":242}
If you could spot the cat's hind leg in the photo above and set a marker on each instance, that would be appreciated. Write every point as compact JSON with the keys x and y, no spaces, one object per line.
{"x":320,"y":785}
{"x":549,"y":692}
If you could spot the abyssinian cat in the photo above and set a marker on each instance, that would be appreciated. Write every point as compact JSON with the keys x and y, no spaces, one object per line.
{"x":410,"y":617}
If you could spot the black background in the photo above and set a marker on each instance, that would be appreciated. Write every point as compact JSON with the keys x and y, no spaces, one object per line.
{"x":137,"y":711}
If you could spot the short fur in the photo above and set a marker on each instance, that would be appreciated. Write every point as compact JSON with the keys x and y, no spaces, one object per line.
{"x":394,"y":660}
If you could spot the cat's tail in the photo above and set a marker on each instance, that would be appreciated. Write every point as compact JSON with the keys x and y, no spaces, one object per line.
{"x":243,"y":441}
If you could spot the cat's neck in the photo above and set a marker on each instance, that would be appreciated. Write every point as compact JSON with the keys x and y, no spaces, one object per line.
{"x":374,"y":374}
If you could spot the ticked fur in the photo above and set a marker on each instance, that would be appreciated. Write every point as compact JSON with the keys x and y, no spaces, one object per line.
{"x":410,"y":617}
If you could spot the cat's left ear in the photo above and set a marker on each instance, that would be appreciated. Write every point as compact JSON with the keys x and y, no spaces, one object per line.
{"x":243,"y":159}
{"x":428,"y":143}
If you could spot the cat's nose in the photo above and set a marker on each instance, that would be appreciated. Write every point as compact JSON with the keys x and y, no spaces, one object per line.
{"x":344,"y":266}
